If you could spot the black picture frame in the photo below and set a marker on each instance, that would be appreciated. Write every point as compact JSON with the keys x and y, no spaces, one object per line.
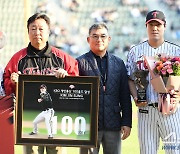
{"x":75,"y":101}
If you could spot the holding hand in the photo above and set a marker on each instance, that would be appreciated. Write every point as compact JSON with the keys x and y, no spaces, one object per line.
{"x":139,"y":104}
{"x":175,"y":96}
{"x":15,"y":77}
{"x":61,"y":73}
{"x":39,"y":100}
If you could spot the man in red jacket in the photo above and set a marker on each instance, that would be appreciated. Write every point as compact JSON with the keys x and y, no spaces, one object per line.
{"x":38,"y":58}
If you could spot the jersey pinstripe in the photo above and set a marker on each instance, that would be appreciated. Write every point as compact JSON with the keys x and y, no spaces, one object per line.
{"x":152,"y":125}
{"x":2,"y":93}
{"x":144,"y":49}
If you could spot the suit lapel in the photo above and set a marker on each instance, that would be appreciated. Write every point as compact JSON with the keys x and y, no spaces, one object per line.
{"x":93,"y":63}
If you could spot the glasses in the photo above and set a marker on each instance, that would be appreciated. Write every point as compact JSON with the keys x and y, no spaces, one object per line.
{"x":96,"y":37}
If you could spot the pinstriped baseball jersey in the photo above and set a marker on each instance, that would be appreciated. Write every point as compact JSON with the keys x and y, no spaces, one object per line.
{"x":135,"y":61}
{"x":2,"y":93}
{"x":152,"y":125}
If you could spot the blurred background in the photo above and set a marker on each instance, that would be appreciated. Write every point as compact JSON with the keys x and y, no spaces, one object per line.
{"x":70,"y":20}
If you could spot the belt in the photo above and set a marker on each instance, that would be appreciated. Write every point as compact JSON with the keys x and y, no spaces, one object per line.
{"x":155,"y":105}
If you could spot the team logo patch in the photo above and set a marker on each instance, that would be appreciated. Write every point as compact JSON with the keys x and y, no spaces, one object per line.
{"x":72,"y":86}
{"x":141,"y":65}
{"x":154,"y":14}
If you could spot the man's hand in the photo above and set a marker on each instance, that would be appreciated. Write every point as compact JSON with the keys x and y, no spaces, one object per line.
{"x":133,"y":91}
{"x":61,"y":73}
{"x":125,"y":131}
{"x":175,"y":96}
{"x":39,"y":100}
{"x":15,"y":77}
{"x":139,"y":104}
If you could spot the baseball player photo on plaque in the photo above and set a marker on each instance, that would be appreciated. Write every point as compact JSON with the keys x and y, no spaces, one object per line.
{"x":62,"y":112}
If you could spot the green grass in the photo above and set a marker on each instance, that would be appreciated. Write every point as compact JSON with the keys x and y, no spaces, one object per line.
{"x":129,"y":146}
{"x":29,"y":115}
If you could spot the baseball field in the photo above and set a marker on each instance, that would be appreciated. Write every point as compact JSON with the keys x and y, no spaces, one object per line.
{"x":64,"y":119}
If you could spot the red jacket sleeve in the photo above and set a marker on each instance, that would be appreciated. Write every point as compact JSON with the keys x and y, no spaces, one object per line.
{"x":11,"y":67}
{"x":71,"y":64}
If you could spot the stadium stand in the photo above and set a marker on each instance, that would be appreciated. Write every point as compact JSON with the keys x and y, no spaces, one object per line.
{"x":72,"y":18}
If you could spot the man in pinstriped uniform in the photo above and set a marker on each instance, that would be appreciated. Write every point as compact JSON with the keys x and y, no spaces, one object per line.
{"x":152,"y":124}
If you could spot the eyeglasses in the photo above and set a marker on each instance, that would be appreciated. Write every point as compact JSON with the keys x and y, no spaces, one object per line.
{"x":96,"y":37}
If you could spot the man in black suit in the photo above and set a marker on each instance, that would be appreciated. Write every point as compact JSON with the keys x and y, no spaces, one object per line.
{"x":115,"y":109}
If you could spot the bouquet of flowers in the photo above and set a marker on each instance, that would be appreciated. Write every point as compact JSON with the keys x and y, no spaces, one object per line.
{"x":166,"y":65}
{"x":165,"y":73}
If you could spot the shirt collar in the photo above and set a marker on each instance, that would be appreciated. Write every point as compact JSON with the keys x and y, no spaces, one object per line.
{"x":33,"y":52}
{"x":96,"y":56}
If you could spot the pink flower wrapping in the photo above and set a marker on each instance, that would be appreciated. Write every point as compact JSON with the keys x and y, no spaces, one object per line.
{"x":161,"y":67}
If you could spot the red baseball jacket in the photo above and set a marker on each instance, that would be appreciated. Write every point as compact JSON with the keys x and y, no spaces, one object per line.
{"x":29,"y":62}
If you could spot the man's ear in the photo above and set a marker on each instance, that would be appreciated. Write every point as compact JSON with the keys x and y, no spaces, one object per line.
{"x":88,"y":39}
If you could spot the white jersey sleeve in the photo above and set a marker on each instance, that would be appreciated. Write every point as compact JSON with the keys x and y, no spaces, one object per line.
{"x":2,"y":93}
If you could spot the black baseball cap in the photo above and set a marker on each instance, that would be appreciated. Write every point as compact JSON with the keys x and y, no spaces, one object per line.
{"x":43,"y":86}
{"x":156,"y":15}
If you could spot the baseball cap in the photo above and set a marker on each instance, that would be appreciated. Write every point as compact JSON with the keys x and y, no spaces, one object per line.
{"x":43,"y":86}
{"x":156,"y":15}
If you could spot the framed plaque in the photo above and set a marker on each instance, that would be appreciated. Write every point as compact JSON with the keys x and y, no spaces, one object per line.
{"x":61,"y":112}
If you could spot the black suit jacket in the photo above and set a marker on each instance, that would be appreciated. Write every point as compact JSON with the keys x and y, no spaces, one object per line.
{"x":115,"y":109}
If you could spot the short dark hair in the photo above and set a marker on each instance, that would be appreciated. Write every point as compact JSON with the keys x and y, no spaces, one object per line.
{"x":98,"y":26}
{"x":43,"y":86}
{"x":38,"y":16}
